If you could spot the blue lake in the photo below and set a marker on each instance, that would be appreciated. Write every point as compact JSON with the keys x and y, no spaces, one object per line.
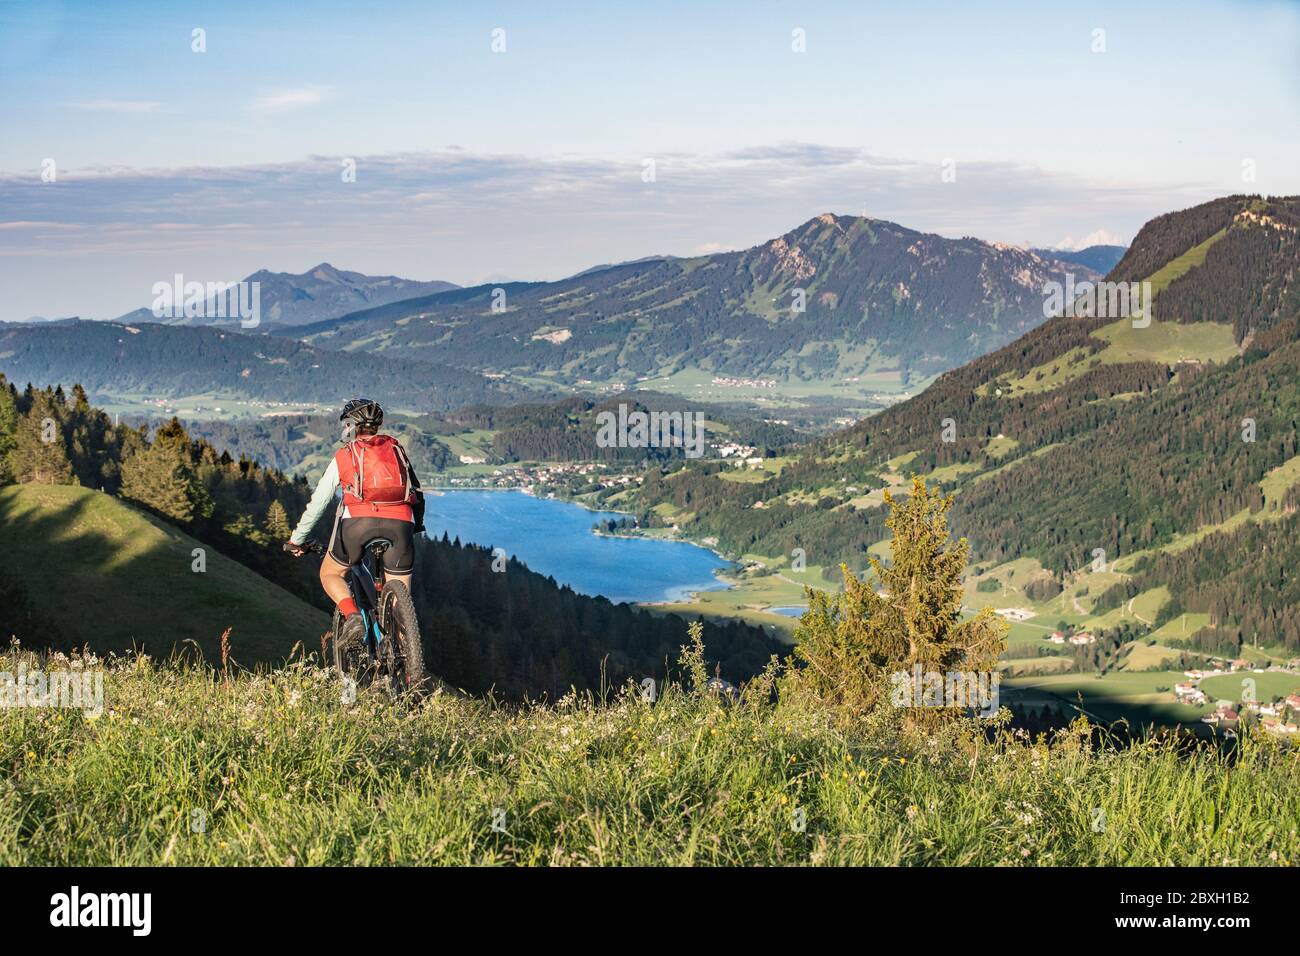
{"x":554,"y":538}
{"x":790,"y":611}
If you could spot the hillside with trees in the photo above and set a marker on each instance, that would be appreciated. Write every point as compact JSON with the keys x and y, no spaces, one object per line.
{"x":513,"y":631}
{"x":112,"y":359}
{"x":1085,"y":436}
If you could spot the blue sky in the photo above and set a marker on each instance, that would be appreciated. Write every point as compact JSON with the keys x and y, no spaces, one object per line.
{"x":475,"y":166}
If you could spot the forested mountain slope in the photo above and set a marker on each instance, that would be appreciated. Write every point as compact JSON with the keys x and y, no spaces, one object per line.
{"x":837,"y":297}
{"x":1091,"y":436}
{"x":1100,"y":259}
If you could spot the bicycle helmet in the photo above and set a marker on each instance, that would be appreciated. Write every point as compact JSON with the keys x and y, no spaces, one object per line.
{"x":362,"y":412}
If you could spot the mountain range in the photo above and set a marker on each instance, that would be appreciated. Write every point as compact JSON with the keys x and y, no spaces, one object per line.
{"x":1139,"y":473}
{"x":837,"y":297}
{"x":289,"y":300}
{"x":1100,"y":259}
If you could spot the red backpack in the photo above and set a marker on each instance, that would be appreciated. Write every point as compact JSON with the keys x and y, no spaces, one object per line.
{"x":374,"y":470}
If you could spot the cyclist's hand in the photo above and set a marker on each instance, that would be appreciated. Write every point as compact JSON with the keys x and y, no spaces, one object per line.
{"x":296,"y":550}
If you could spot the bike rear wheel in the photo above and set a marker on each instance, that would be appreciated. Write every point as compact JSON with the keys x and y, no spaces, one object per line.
{"x":402,"y":652}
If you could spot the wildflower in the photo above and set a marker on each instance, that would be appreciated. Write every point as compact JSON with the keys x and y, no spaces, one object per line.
{"x":912,"y":811}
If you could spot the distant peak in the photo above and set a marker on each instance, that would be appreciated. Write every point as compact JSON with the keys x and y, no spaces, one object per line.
{"x":828,"y":219}
{"x":817,"y":224}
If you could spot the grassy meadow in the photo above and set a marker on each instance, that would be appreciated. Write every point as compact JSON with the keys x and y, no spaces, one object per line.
{"x":129,"y":580}
{"x":187,"y":767}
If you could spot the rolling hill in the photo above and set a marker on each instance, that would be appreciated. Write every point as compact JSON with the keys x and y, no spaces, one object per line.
{"x":288,"y":300}
{"x":125,"y":580}
{"x":838,"y":297}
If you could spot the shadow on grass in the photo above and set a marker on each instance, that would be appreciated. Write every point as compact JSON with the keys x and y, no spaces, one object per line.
{"x":87,"y":569}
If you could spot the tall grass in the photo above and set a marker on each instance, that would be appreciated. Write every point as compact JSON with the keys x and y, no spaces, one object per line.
{"x":274,"y":768}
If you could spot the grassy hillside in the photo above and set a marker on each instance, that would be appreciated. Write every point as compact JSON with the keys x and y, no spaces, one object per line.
{"x":275,"y":769}
{"x":106,"y":573}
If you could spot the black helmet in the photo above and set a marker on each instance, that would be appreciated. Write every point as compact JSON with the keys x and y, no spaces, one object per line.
{"x":363,"y":412}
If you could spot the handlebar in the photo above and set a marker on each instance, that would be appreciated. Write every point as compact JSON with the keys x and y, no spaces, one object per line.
{"x":313,"y":546}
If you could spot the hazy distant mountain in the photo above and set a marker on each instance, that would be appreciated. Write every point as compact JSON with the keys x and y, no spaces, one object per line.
{"x":1100,"y":259}
{"x":836,"y":297}
{"x":162,"y":361}
{"x":320,"y":293}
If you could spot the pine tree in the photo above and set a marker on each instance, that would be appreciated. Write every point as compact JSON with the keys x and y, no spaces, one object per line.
{"x":850,"y":643}
{"x":162,"y":479}
{"x":277,"y":522}
{"x":8,"y":426}
{"x":39,"y":454}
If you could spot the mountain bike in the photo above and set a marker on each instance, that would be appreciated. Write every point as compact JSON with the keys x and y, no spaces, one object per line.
{"x":390,"y":653}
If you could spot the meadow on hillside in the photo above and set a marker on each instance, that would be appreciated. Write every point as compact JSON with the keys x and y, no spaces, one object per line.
{"x":190,"y":766}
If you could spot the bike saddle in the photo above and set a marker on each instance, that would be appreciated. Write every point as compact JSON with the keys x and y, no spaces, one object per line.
{"x":377,"y":546}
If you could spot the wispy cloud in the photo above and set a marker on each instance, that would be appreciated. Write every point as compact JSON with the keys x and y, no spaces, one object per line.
{"x":282,"y":101}
{"x":460,"y":215}
{"x":31,"y":224}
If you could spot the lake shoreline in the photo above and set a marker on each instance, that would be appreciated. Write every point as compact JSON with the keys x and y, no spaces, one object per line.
{"x":554,"y":536}
{"x":727,"y":576}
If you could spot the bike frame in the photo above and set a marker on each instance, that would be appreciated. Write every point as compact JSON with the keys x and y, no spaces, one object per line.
{"x":366,"y":587}
{"x":366,"y":584}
